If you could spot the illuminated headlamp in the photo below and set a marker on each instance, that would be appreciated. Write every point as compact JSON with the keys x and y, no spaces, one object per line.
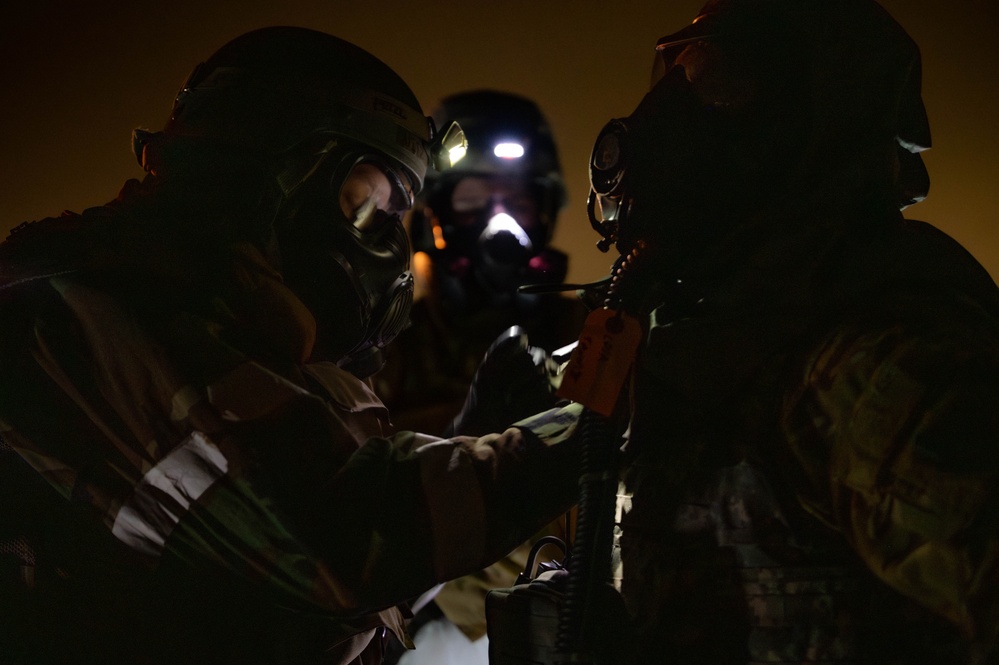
{"x":508,"y":150}
{"x":388,"y":125}
{"x":606,"y":205}
{"x":449,"y":148}
{"x":402,"y":133}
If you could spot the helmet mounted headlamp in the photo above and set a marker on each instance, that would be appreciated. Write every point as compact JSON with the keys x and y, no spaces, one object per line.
{"x":365,"y":116}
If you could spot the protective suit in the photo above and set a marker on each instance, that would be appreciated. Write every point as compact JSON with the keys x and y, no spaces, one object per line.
{"x":481,"y":229}
{"x":188,"y":474}
{"x":813,"y":444}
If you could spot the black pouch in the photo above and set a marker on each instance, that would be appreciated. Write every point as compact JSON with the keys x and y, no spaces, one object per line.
{"x":522,"y":621}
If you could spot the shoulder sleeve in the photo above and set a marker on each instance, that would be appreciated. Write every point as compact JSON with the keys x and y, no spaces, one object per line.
{"x":294,"y":491}
{"x":894,"y":428}
{"x":299,"y":494}
{"x":377,"y":526}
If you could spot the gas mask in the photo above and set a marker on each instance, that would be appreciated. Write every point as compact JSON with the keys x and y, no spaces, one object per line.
{"x":762,"y":110}
{"x":490,"y":239}
{"x":345,"y":253}
{"x":671,"y":176}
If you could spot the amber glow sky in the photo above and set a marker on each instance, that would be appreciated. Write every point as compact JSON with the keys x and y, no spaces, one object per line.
{"x":78,"y":76}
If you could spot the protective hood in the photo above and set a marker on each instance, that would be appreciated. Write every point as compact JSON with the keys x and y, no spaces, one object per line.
{"x":860,"y":82}
{"x":170,"y":253}
{"x":764,"y":115}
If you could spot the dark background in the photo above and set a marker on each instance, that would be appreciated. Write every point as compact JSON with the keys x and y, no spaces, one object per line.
{"x":77,"y":76}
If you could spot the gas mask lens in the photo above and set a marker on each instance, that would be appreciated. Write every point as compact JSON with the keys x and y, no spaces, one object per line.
{"x":373,"y":193}
{"x":476,"y":199}
{"x":665,"y":60}
{"x":668,"y":48}
{"x":470,"y":195}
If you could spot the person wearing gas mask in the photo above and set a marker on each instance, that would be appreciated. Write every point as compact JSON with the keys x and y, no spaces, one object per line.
{"x":481,"y":230}
{"x":813,"y":447}
{"x":188,"y":470}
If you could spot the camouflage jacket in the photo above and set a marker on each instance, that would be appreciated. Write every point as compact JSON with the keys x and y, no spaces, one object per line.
{"x":178,"y":485}
{"x":426,"y":377}
{"x":813,"y":459}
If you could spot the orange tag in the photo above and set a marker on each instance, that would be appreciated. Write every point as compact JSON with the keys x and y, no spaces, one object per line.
{"x":601,"y":361}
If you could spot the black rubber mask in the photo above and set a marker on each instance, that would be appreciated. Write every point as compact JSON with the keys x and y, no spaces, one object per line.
{"x":346,"y":255}
{"x":493,"y":242}
{"x":656,"y":174}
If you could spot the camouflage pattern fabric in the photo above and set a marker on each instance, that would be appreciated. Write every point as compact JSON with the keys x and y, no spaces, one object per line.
{"x":813,"y":459}
{"x":428,"y":370}
{"x":895,"y":431}
{"x":191,"y":492}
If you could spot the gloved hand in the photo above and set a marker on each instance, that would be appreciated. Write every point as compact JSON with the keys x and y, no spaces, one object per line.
{"x":513,"y":381}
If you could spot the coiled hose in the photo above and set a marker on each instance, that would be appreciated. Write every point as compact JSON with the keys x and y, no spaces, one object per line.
{"x":590,"y":563}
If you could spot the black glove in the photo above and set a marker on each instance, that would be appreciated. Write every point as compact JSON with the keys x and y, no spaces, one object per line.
{"x":513,"y":381}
